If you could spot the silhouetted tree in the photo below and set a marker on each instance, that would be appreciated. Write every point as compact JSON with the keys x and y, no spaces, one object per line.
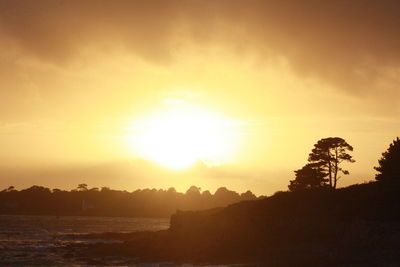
{"x":311,"y":175}
{"x":389,"y":164}
{"x":10,"y":188}
{"x":223,"y":196}
{"x":206,"y":194}
{"x":248,"y":195}
{"x":330,"y":153}
{"x":171,"y":190}
{"x":82,"y":187}
{"x":193,"y":190}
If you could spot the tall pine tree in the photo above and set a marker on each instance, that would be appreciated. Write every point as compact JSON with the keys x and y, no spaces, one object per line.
{"x":330,"y":153}
{"x":389,"y":164}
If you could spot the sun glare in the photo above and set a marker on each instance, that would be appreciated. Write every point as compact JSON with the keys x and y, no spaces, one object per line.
{"x":178,"y":138}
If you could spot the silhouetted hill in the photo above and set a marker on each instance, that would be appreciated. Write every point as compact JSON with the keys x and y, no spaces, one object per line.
{"x":108,"y":202}
{"x":372,"y":201}
{"x":358,"y":225}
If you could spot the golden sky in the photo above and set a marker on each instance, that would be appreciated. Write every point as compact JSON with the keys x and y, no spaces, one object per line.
{"x":239,"y":91}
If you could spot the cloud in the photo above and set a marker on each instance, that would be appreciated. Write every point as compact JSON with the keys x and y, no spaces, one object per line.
{"x":58,"y":30}
{"x":353,"y":45}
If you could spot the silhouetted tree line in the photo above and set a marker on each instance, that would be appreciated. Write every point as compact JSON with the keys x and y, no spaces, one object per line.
{"x":109,"y":202}
{"x":323,"y":169}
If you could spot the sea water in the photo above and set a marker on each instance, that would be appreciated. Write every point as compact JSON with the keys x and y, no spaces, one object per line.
{"x":39,"y":240}
{"x":36,"y":240}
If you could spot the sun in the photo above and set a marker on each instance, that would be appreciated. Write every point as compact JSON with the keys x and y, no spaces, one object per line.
{"x":177,"y":138}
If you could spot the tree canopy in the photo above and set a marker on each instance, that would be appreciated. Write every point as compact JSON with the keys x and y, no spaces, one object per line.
{"x":330,"y":153}
{"x":389,"y":163}
{"x":324,"y":164}
{"x":310,"y":176}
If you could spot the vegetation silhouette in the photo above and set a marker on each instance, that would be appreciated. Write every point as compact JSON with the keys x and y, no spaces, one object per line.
{"x":82,"y":187}
{"x":389,"y":163}
{"x":353,"y":226}
{"x":108,"y":202}
{"x":310,"y":176}
{"x":324,"y":161}
{"x":357,"y":225}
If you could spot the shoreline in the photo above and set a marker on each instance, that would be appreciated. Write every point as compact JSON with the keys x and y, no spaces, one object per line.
{"x":358,"y":225}
{"x":83,"y":215}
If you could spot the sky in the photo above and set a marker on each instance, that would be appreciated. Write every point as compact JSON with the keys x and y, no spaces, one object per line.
{"x":159,"y":94}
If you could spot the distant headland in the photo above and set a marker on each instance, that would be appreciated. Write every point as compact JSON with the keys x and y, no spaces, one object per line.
{"x":84,"y":201}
